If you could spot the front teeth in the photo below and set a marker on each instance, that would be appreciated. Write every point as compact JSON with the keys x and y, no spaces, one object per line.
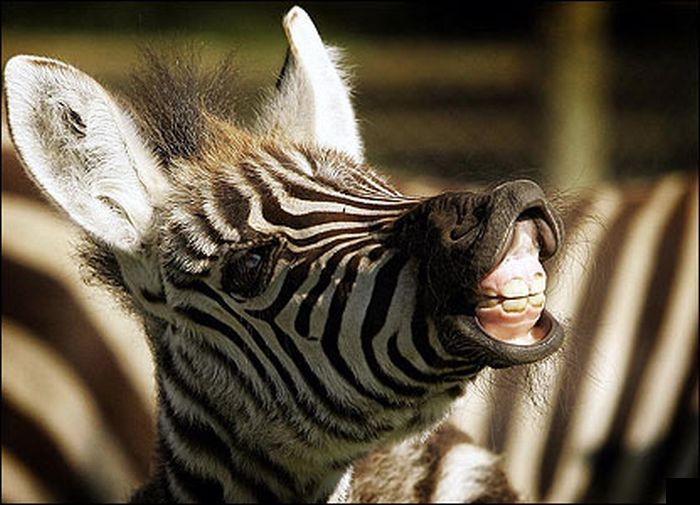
{"x":514,"y":304}
{"x":515,"y":288}
{"x":537,"y":300}
{"x":539,"y":282}
{"x":489,"y":303}
{"x":516,"y":295}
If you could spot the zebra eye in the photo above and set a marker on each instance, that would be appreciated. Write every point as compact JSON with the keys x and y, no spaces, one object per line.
{"x":246,"y":272}
{"x":252,"y":260}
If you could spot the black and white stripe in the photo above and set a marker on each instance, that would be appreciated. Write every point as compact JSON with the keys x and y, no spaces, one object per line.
{"x":301,"y":313}
{"x":334,"y":392}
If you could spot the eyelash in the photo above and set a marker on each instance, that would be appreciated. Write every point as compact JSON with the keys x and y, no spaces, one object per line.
{"x":246,"y":272}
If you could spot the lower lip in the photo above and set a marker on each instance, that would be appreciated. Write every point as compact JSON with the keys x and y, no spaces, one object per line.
{"x":519,"y":328}
{"x":460,"y":334}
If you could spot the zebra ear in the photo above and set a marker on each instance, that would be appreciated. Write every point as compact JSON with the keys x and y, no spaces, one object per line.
{"x":82,"y":149}
{"x":312,"y":99}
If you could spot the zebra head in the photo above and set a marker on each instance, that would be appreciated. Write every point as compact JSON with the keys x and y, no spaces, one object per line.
{"x":287,"y":290}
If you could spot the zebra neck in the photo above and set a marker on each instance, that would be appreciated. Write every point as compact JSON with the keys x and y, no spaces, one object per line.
{"x":198,"y":463}
{"x":216,"y":443}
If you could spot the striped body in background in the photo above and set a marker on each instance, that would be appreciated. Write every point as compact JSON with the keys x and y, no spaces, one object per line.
{"x":619,"y":414}
{"x":95,"y":381}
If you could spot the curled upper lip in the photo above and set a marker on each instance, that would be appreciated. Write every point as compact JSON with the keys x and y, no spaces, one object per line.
{"x":548,"y":229}
{"x":524,"y":201}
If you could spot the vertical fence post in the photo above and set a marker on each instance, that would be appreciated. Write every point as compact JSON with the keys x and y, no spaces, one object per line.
{"x":578,"y":124}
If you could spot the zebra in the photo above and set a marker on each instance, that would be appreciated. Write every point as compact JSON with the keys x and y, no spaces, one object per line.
{"x":497,"y":415}
{"x":300,"y":310}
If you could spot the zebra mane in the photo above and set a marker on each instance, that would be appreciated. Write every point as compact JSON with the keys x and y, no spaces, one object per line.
{"x":172,"y":93}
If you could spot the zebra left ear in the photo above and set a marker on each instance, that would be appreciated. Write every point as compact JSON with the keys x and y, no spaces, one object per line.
{"x":312,"y":100}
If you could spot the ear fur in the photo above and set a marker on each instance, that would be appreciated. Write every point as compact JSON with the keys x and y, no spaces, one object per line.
{"x":312,"y":100}
{"x":82,"y":148}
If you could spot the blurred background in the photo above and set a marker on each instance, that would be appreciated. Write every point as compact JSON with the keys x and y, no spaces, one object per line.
{"x":568,"y":93}
{"x":448,"y":94}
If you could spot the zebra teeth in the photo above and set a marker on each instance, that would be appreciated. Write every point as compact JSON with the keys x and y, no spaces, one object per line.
{"x":536,"y":300}
{"x":538,"y":284}
{"x":490,"y":293}
{"x":515,"y":288}
{"x":488,"y":303}
{"x":514,"y":304}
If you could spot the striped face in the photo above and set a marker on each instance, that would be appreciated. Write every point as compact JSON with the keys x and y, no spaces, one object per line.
{"x":293,"y":267}
{"x":367,"y":299}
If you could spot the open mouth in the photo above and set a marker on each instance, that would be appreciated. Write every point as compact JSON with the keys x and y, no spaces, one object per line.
{"x":511,"y":298}
{"x":506,"y":312}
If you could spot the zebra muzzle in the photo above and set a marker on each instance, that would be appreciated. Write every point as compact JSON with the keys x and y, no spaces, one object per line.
{"x":481,"y":254}
{"x":497,"y":305}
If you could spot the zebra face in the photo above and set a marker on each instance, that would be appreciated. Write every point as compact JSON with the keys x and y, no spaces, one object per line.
{"x":358,"y":276}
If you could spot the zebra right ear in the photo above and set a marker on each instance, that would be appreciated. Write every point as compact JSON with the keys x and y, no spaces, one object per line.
{"x":312,"y":100}
{"x":82,"y":148}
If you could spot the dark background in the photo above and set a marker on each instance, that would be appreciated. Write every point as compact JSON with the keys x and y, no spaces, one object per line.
{"x":451,"y":90}
{"x":653,"y":23}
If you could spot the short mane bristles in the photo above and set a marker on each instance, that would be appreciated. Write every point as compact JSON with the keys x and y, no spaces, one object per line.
{"x":172,"y":92}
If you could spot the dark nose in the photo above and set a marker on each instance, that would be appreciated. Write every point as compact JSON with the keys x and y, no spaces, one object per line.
{"x":461,"y":235}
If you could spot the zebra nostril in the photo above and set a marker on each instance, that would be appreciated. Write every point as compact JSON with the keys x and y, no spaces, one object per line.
{"x":459,"y":232}
{"x":480,"y":211}
{"x":469,"y":217}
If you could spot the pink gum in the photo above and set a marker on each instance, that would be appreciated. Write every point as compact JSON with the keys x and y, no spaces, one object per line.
{"x":521,"y":260}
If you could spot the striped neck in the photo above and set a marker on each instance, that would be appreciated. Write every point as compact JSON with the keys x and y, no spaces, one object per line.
{"x":219,"y":475}
{"x":214,"y":450}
